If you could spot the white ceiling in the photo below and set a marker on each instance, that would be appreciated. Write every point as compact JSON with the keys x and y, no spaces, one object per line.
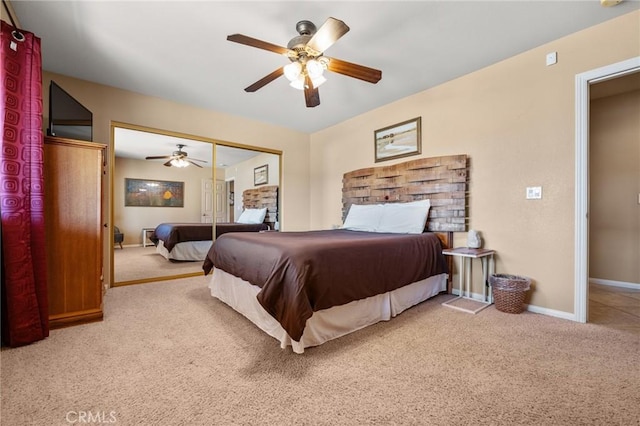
{"x":178,"y":50}
{"x":137,"y":145}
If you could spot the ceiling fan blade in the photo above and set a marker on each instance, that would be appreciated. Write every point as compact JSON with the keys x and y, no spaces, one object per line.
{"x":195,"y":159}
{"x":158,"y":157}
{"x":327,"y":34}
{"x":265,"y":80}
{"x":311,"y":95}
{"x":354,"y":70}
{"x":254,"y":42}
{"x":168,"y":163}
{"x":195,"y":164}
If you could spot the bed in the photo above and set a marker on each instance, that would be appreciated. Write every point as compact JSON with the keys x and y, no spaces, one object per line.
{"x":305,"y":288}
{"x":191,"y":241}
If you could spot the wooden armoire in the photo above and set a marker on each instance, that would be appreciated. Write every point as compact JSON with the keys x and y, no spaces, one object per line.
{"x":73,"y":180}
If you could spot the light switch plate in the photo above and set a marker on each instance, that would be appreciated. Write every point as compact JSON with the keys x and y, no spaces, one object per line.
{"x":534,"y":192}
{"x":552,"y":58}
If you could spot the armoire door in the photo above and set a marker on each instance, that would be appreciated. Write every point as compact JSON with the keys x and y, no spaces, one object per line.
{"x":73,"y":173}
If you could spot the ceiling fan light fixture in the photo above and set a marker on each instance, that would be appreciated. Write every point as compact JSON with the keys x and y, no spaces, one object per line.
{"x":179,"y":162}
{"x":308,"y":63}
{"x":318,"y":81}
{"x":298,"y":83}
{"x":293,"y":71}
{"x":296,"y":73}
{"x":314,"y":68}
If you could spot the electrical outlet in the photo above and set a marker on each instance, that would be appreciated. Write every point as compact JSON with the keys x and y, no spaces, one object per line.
{"x":534,"y":192}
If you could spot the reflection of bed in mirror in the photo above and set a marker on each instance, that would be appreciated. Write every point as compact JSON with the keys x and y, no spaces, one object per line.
{"x":191,"y":241}
{"x":311,"y":287}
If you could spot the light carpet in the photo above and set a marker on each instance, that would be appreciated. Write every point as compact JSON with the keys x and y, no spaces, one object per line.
{"x":139,"y":263}
{"x":167,"y":353}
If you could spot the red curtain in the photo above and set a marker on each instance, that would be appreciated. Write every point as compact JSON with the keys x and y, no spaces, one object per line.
{"x":25,"y":313}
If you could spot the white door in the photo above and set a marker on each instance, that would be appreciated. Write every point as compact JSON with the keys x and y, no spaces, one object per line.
{"x":221,"y":201}
{"x":206,"y":202}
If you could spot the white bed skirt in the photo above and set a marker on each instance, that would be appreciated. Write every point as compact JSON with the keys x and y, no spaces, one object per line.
{"x":190,"y":250}
{"x":329,"y":323}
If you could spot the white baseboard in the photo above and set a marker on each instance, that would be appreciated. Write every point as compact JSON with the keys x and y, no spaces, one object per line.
{"x":474,"y":296}
{"x":571,"y":316}
{"x":612,"y":283}
{"x":552,"y":312}
{"x":531,"y":308}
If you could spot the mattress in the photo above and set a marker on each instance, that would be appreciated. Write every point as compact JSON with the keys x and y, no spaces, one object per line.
{"x":326,"y":324}
{"x":300,"y":273}
{"x":190,"y":250}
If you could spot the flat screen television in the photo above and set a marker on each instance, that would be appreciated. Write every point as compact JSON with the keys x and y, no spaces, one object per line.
{"x":68,"y":118}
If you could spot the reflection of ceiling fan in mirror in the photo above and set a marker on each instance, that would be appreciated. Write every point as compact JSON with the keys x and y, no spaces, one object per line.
{"x":178,"y":158}
{"x":308,"y":63}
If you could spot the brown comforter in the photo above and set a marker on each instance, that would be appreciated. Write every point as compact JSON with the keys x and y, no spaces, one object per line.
{"x":174,"y":233}
{"x":224,"y":227}
{"x":303,"y":272}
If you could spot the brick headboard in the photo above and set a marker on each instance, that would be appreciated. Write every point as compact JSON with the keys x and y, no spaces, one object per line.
{"x":443,"y":180}
{"x":260,"y":197}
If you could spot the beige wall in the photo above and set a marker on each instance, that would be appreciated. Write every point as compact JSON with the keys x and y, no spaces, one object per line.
{"x":242,"y":174}
{"x":131,"y":220}
{"x":614,"y":213}
{"x":515,"y":120}
{"x":109,"y":104}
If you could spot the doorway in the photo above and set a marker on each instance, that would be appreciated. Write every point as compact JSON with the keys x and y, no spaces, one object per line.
{"x":230,"y":199}
{"x":581,"y":260}
{"x":614,"y":211}
{"x":221,"y":201}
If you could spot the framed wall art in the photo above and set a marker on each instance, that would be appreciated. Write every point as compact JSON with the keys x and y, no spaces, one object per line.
{"x":399,"y":140}
{"x":261,"y":175}
{"x":153,"y":193}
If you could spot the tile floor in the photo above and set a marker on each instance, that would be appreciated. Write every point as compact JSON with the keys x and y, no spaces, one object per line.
{"x":614,"y":307}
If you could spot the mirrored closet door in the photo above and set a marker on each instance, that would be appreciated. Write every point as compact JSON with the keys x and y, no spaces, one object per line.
{"x":161,"y":177}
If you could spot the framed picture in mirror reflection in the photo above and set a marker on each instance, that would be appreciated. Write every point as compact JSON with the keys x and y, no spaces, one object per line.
{"x":261,"y":175}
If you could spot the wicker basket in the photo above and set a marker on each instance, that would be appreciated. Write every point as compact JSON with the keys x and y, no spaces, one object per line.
{"x":509,"y":292}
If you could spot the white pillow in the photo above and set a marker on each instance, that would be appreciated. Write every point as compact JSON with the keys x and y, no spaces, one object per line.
{"x":252,"y":216}
{"x":245,"y":217}
{"x":404,"y":218}
{"x":363,"y":217}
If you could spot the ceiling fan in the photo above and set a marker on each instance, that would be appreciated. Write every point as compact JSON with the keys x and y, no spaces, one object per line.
{"x":178,"y":158}
{"x":308,"y":62}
